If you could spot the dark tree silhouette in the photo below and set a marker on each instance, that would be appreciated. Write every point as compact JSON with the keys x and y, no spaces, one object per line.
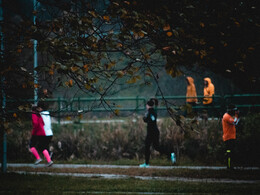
{"x":95,"y":45}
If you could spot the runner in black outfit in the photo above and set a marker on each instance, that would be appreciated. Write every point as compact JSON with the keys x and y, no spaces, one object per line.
{"x":153,"y":133}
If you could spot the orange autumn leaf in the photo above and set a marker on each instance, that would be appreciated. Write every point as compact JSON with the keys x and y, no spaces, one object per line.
{"x":51,"y":72}
{"x":169,"y":34}
{"x":140,"y":34}
{"x":88,"y":87}
{"x":86,"y":67}
{"x":70,"y":83}
{"x":116,"y":112}
{"x":120,"y":73}
{"x":203,"y":52}
{"x":166,"y":48}
{"x":146,"y":56}
{"x":29,"y":44}
{"x":237,"y":23}
{"x":107,"y":18}
{"x":93,"y":14}
{"x":119,"y":45}
{"x":24,"y":86}
{"x":166,"y":27}
{"x":74,"y":68}
{"x":115,"y":3}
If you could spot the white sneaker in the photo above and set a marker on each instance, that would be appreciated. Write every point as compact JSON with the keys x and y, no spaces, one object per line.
{"x":173,"y":158}
{"x":50,"y":163}
{"x":38,"y":161}
{"x":144,"y":165}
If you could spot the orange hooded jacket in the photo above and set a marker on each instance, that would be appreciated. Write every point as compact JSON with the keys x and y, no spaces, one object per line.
{"x":191,"y":91}
{"x":209,"y":91}
{"x":229,"y":129}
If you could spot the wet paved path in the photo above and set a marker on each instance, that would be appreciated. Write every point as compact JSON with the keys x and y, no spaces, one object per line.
{"x":120,"y":176}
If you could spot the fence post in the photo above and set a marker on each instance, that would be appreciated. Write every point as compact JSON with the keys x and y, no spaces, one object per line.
{"x":79,"y":108}
{"x":35,"y":57}
{"x":59,"y":109}
{"x":4,"y":160}
{"x":137,"y":103}
{"x":4,"y":163}
{"x":78,"y":103}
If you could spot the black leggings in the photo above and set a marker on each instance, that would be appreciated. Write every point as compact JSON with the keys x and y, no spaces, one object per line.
{"x":40,"y":142}
{"x":153,"y":139}
{"x":230,"y":153}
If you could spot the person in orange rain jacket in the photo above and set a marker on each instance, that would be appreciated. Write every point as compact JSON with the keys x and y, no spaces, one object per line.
{"x":209,"y":91}
{"x":229,"y":121}
{"x":191,"y":94}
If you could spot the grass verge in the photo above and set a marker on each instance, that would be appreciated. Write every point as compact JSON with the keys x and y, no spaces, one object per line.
{"x":152,"y":172}
{"x":12,"y":183}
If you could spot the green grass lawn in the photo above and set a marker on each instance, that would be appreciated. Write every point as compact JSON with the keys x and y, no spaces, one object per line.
{"x":12,"y":183}
{"x":151,"y":172}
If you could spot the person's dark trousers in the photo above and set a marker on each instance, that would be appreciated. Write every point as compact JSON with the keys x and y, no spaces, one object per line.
{"x":229,"y":147}
{"x":39,"y":142}
{"x":153,"y":138}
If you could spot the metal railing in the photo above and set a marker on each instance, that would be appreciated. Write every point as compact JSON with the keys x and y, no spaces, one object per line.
{"x":246,"y":102}
{"x":107,"y":104}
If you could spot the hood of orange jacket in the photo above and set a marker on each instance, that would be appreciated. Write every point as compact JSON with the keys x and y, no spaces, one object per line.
{"x":209,"y":91}
{"x":208,"y":80}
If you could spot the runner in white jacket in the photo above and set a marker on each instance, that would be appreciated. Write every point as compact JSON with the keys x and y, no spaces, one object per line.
{"x":47,"y":127}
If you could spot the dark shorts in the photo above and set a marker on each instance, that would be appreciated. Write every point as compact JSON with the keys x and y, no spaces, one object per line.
{"x":40,"y":142}
{"x":230,"y":144}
